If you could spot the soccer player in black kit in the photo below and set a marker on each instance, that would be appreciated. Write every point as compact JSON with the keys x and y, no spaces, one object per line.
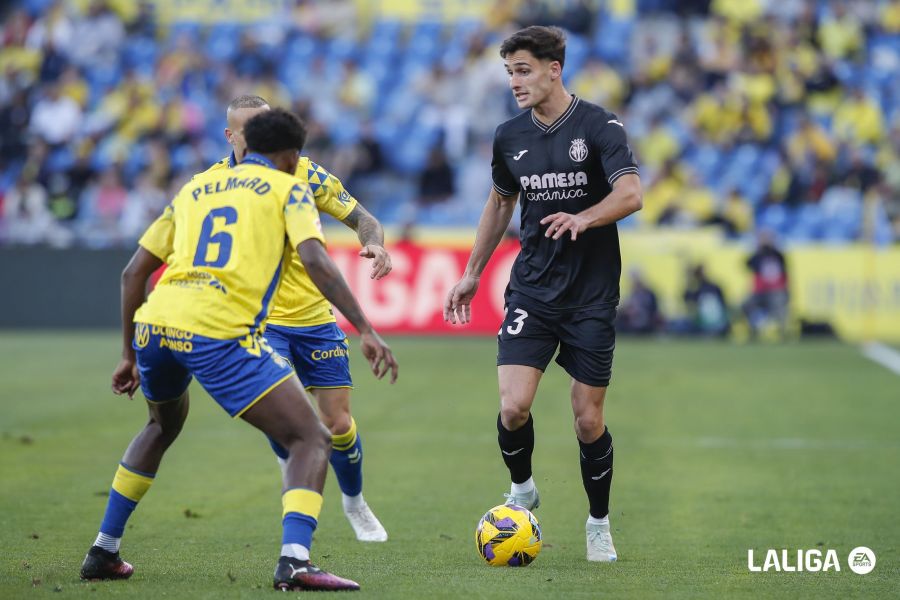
{"x":568,"y":163}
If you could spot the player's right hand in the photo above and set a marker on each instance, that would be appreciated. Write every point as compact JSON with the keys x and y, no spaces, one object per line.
{"x":458,"y":305}
{"x":126,"y":379}
{"x":378,"y":353}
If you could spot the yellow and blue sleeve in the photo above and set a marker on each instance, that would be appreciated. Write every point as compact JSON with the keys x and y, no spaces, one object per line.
{"x":159,"y":239}
{"x":301,"y":218}
{"x":329,"y":193}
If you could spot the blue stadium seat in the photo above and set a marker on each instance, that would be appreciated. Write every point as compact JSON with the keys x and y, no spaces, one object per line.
{"x":578,"y":49}
{"x":189,"y":28}
{"x":345,"y":129}
{"x":342,"y":49}
{"x":60,"y":160}
{"x":425,"y":42}
{"x":223,"y":41}
{"x":612,"y":40}
{"x":37,"y":7}
{"x":141,"y":54}
{"x":774,"y":217}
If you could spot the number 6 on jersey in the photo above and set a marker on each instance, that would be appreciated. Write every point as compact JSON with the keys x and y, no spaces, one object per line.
{"x":221,"y":238}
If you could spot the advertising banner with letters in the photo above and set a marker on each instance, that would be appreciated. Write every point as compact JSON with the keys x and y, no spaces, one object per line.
{"x":854,"y":288}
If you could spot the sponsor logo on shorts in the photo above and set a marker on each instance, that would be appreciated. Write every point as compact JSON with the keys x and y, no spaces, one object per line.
{"x":326,"y":354}
{"x":174,"y":339}
{"x":141,"y":335}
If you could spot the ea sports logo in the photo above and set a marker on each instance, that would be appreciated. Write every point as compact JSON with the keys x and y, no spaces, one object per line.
{"x":578,"y":151}
{"x":861,"y":560}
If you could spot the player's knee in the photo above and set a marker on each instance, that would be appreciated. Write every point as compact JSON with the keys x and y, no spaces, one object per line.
{"x":337,"y":424}
{"x":513,"y":416}
{"x":309,"y":438}
{"x":589,"y":427}
{"x":165,"y":432}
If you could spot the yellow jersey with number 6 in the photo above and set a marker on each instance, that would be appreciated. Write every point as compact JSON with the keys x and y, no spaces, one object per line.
{"x":298,"y":302}
{"x":227,"y":238}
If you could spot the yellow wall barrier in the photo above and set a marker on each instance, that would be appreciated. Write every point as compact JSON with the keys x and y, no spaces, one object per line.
{"x":855,"y":288}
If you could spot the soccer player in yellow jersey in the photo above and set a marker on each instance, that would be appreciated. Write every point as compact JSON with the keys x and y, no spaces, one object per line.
{"x":302,"y":327}
{"x":226,"y":238}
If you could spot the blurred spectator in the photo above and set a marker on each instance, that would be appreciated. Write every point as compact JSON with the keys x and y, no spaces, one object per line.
{"x":768,"y":301}
{"x":250,"y":59}
{"x":734,"y":215}
{"x":810,"y":143}
{"x":436,"y":181}
{"x":14,"y":119}
{"x":26,"y":217}
{"x":144,"y":204}
{"x":639,"y":313}
{"x":56,"y":118}
{"x":732,"y":105}
{"x":707,"y":312}
{"x":859,"y":120}
{"x":840,"y":32}
{"x":53,"y":29}
{"x":101,"y":207}
{"x":53,"y":63}
{"x":98,"y":37}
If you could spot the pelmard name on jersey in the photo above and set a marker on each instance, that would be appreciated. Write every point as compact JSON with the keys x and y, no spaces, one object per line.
{"x":552,"y":186}
{"x":258,"y":185}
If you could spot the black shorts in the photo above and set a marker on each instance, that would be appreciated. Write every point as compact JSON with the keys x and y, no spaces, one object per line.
{"x":586,"y":341}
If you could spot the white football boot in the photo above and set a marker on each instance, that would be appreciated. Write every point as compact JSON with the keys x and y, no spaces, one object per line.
{"x":528,"y":500}
{"x":364,"y":522}
{"x":599,"y":543}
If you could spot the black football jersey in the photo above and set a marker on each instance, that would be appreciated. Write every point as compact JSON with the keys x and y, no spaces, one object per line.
{"x":567,"y":166}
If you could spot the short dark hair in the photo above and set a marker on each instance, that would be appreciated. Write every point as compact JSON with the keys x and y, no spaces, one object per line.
{"x":273,"y":131}
{"x":247,"y":101}
{"x":545,"y":43}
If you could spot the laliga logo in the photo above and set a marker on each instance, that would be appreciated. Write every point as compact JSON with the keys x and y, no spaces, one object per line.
{"x":861,"y":561}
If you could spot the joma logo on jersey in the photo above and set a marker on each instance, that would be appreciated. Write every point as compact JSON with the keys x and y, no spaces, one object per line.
{"x":325,"y":354}
{"x":553,"y":180}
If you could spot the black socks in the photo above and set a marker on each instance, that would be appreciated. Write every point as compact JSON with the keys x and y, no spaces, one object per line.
{"x":516,"y":447}
{"x":597,"y":472}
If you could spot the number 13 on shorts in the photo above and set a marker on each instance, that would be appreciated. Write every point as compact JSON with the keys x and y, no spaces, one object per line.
{"x":517,"y":324}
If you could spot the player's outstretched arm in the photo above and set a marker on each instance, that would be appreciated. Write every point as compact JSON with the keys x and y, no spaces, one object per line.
{"x":325,"y":274}
{"x":491,"y":226}
{"x":371,"y":238}
{"x":125,"y":379}
{"x":625,"y":198}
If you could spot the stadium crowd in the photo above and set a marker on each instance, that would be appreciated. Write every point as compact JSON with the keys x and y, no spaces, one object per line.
{"x":781,"y":115}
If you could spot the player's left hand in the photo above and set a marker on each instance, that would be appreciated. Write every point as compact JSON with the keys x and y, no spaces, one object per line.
{"x":381,"y":260}
{"x":126,"y":379}
{"x":378,"y":353}
{"x":559,"y":223}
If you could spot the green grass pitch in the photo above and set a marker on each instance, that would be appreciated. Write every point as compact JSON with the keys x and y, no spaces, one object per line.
{"x":719,"y":448}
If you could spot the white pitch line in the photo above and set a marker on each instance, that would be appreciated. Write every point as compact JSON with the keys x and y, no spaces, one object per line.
{"x":885,"y":356}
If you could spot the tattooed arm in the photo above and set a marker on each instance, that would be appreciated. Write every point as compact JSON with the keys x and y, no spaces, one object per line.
{"x":325,"y":274}
{"x":371,"y":237}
